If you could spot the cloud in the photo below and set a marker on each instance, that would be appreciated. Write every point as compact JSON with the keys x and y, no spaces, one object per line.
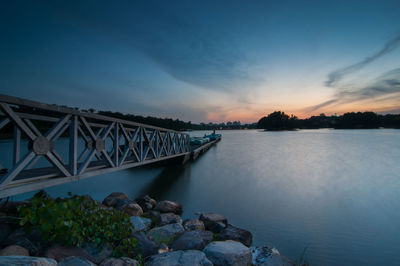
{"x":175,"y":37}
{"x":386,"y":84}
{"x":335,"y":76}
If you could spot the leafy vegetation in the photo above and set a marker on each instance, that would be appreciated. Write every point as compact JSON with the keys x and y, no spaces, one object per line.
{"x":76,"y":221}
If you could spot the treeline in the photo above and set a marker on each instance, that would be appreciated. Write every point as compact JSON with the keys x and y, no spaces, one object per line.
{"x":361,"y":120}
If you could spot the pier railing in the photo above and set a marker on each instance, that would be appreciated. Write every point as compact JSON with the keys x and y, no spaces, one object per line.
{"x":50,"y":145}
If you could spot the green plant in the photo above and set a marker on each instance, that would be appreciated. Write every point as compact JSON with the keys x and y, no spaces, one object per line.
{"x":78,"y":220}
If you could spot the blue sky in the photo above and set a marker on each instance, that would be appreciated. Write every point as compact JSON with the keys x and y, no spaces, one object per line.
{"x":204,"y":60}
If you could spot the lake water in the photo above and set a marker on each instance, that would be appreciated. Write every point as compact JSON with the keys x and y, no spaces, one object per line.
{"x":336,"y":192}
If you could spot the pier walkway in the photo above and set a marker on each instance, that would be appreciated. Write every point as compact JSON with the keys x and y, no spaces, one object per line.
{"x":52,"y":145}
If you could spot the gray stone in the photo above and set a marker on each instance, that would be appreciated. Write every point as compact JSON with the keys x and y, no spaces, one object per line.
{"x":179,"y":258}
{"x":121,"y":203}
{"x":214,"y":222}
{"x":193,"y":224}
{"x":165,"y":234}
{"x":196,"y":239}
{"x":169,"y":218}
{"x":20,"y":238}
{"x":145,"y":246}
{"x":14,"y":250}
{"x":267,"y":256}
{"x":169,"y":206}
{"x":228,"y":252}
{"x":234,"y":233}
{"x":5,"y":231}
{"x":59,"y":252}
{"x":26,"y":261}
{"x":113,"y":198}
{"x":98,"y":254}
{"x":119,"y":262}
{"x":146,"y":203}
{"x":75,"y":261}
{"x":140,"y":223}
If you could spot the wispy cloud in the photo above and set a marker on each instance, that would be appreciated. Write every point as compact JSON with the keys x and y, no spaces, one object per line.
{"x":335,"y":76}
{"x":386,"y":84}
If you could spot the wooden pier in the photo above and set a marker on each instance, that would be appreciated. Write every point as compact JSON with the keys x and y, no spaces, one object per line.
{"x":96,"y":145}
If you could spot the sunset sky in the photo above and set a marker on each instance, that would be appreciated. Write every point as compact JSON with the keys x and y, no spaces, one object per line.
{"x":204,"y":61}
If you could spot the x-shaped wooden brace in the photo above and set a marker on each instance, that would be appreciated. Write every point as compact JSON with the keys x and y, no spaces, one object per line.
{"x":41,"y":145}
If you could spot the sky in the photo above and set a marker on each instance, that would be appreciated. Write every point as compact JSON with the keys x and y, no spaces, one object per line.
{"x":204,"y":61}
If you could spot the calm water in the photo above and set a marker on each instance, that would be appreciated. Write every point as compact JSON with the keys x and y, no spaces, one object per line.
{"x":336,"y":192}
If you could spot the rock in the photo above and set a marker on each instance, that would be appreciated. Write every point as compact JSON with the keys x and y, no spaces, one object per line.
{"x":5,"y":231}
{"x":153,"y":215}
{"x":193,"y":224}
{"x":98,"y":254}
{"x":140,"y":223}
{"x":163,"y":248}
{"x":132,"y":209}
{"x":59,"y":252}
{"x":27,"y":261}
{"x":145,"y":246}
{"x":113,"y":198}
{"x":75,"y":261}
{"x":196,"y":239}
{"x":121,"y":203}
{"x":228,"y":252}
{"x":234,"y":233}
{"x":165,"y":234}
{"x":216,"y":227}
{"x":214,"y":222}
{"x":169,"y":206}
{"x":267,"y":256}
{"x":119,"y":262}
{"x":179,"y":258}
{"x":169,"y":218}
{"x":14,"y":250}
{"x":31,"y":243}
{"x":146,"y":203}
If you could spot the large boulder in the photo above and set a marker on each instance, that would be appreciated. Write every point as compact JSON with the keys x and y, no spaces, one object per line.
{"x":26,"y":261}
{"x":75,"y":261}
{"x":196,"y":239}
{"x":14,"y":250}
{"x":119,"y":262}
{"x":227,"y":253}
{"x":140,"y":223}
{"x":168,"y":218}
{"x":98,"y":253}
{"x":113,"y":198}
{"x":214,"y":222}
{"x":145,"y":246}
{"x":267,"y":256}
{"x":179,"y":258}
{"x":169,"y":206}
{"x":5,"y":231}
{"x":165,"y":234}
{"x":33,"y":242}
{"x":193,"y":224}
{"x":59,"y":252}
{"x":234,"y":233}
{"x":146,"y":203}
{"x":132,"y":209}
{"x":121,"y":203}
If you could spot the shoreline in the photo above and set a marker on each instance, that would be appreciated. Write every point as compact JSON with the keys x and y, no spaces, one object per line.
{"x":160,"y":234}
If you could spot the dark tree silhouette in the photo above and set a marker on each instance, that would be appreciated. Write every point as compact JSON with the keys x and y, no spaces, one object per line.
{"x":277,"y":121}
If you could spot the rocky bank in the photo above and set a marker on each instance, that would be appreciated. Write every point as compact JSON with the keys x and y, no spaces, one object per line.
{"x":163,"y":238}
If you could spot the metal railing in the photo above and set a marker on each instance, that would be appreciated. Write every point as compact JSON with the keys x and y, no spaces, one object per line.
{"x":96,"y":144}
